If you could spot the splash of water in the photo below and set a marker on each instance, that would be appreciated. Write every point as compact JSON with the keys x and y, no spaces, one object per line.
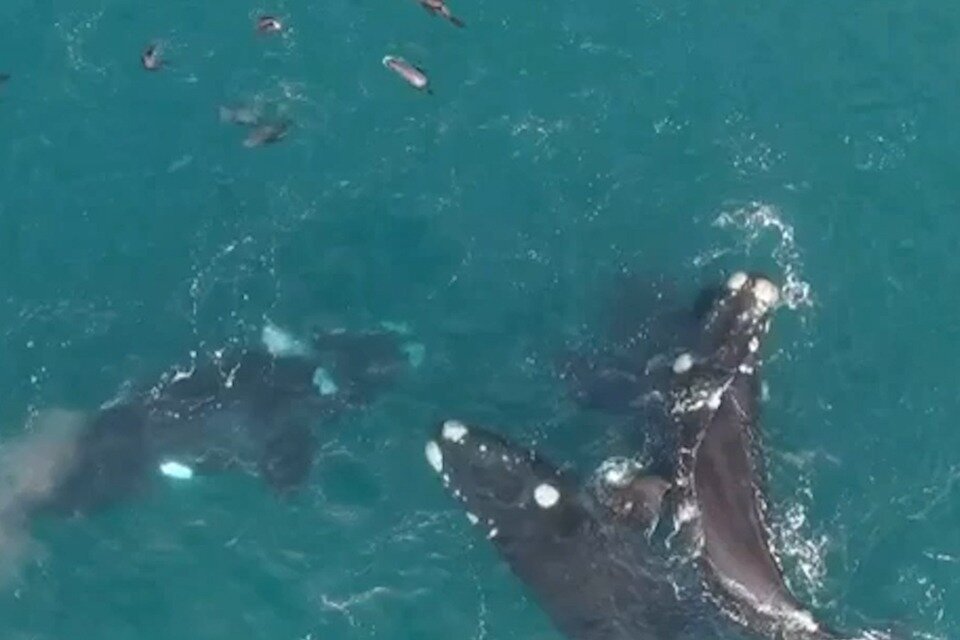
{"x":754,"y":222}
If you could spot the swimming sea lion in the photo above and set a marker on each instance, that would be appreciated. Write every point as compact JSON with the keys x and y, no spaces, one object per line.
{"x":412,"y":75}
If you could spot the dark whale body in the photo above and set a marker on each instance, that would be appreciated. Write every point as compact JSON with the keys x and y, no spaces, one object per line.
{"x":719,"y":473}
{"x":249,"y":410}
{"x":588,"y":562}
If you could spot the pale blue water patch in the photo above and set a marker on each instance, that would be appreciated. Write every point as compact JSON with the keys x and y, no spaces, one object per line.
{"x":563,"y":143}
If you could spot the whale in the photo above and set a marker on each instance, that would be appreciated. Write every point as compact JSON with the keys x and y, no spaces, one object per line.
{"x":253,"y":409}
{"x":719,"y":474}
{"x":584,"y":554}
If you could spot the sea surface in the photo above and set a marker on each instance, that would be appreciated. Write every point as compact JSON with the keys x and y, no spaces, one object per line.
{"x":564,"y":143}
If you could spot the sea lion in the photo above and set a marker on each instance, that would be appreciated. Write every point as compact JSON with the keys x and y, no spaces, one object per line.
{"x":439,"y":8}
{"x":412,"y":75}
{"x":152,"y":57}
{"x":268,"y":133}
{"x":269,"y":24}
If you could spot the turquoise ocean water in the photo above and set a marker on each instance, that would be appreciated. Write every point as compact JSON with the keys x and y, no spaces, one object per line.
{"x":565,"y":141}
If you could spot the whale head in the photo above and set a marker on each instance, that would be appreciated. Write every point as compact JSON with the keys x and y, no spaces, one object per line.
{"x":591,"y":569}
{"x":738,"y":319}
{"x":512,"y":493}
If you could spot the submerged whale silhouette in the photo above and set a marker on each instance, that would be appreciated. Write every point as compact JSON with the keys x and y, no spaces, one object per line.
{"x":252,"y":409}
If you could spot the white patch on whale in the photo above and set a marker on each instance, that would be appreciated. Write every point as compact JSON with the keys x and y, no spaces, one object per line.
{"x":765,"y":293}
{"x":546,"y":495}
{"x":176,"y":470}
{"x":454,"y":431}
{"x":324,"y":383}
{"x":683,"y":363}
{"x":472,"y":518}
{"x":493,"y":533}
{"x":281,"y":344}
{"x":434,"y":456}
{"x":736,"y":281}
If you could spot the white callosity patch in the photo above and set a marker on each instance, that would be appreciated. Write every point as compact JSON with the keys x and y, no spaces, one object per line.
{"x":493,"y":533}
{"x":281,"y":344}
{"x":736,"y":281}
{"x":324,"y":383}
{"x":472,"y":518}
{"x":683,"y":363}
{"x":766,"y":294}
{"x":546,"y":495}
{"x":454,"y":431}
{"x":176,"y":470}
{"x":434,"y":456}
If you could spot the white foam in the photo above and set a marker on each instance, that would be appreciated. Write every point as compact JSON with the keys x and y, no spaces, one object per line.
{"x":755,"y":220}
{"x":713,"y":402}
{"x":618,"y":472}
{"x":434,"y":456}
{"x":416,"y":353}
{"x":686,"y":512}
{"x":683,"y":363}
{"x":454,"y":431}
{"x":176,"y":470}
{"x":546,"y":495}
{"x":281,"y":344}
{"x":401,"y":328}
{"x":736,"y":281}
